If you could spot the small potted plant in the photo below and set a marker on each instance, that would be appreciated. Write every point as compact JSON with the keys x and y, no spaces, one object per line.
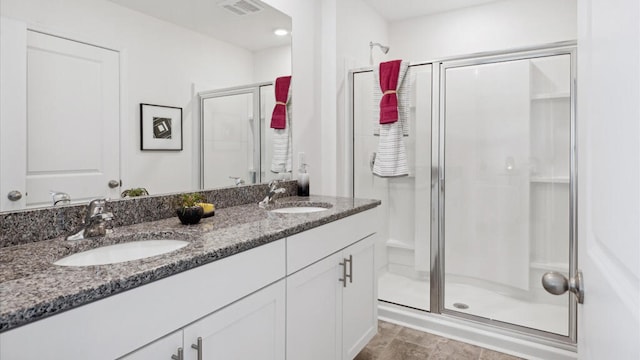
{"x":188,"y":211}
{"x":135,"y":192}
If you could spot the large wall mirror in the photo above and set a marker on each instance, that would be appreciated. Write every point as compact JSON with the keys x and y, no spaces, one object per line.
{"x":74,"y":75}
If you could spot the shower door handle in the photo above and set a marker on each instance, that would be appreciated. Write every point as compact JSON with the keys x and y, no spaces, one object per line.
{"x":557,"y":284}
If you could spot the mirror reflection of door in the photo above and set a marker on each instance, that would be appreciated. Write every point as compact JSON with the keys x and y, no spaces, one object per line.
{"x":71,"y":121}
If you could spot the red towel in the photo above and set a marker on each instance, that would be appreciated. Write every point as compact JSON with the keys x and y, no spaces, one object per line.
{"x":389,"y":72}
{"x":279,"y":116}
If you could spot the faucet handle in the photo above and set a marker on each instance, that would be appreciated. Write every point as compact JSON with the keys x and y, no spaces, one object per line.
{"x":96,"y":206}
{"x":274,"y":183}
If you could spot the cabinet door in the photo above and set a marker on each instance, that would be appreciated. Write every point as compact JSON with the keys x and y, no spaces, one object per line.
{"x":159,"y":349}
{"x":314,"y":311}
{"x":359,"y":298}
{"x":251,"y":328}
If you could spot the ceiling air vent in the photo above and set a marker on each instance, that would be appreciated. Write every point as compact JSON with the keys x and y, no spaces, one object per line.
{"x":241,"y":7}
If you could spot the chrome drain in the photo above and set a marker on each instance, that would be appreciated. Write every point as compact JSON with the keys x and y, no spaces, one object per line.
{"x":461,"y":306}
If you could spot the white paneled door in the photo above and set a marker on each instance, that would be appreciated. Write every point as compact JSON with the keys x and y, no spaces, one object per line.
{"x":69,"y":127}
{"x":609,"y":187}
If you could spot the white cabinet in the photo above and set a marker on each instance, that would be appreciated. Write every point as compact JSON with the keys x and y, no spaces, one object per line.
{"x":359,"y":300}
{"x":245,"y":306}
{"x":314,"y":311}
{"x":251,"y":328}
{"x":117,"y":325}
{"x":159,"y":349}
{"x":331,"y":305}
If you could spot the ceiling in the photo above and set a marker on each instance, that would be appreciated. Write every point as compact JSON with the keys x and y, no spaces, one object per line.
{"x":253,"y":31}
{"x":393,"y":10}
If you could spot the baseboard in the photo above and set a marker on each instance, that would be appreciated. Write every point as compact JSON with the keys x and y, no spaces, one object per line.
{"x":505,"y":341}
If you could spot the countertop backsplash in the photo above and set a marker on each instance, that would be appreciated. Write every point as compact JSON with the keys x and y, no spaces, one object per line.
{"x":26,"y":226}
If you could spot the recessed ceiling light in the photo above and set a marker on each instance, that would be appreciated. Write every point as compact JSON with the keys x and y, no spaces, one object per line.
{"x":281,"y":32}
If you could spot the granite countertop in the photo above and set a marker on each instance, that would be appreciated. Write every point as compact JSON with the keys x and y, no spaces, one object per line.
{"x":32,"y":288}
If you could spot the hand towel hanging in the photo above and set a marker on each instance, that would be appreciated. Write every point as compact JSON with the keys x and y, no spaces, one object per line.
{"x":402,"y":93}
{"x":389,"y":73}
{"x":281,"y":159}
{"x":391,"y":156}
{"x":279,"y":115}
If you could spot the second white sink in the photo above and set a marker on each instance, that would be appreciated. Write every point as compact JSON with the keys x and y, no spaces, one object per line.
{"x":128,"y":251}
{"x":299,"y":209}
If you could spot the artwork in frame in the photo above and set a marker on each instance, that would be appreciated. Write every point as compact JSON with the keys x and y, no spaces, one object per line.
{"x":160,"y":127}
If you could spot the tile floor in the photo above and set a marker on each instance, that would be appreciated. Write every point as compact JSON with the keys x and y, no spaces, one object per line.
{"x":395,"y":342}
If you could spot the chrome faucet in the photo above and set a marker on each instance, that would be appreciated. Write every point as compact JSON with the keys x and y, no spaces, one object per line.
{"x":238,"y":180}
{"x":273,"y":190}
{"x":95,"y":221}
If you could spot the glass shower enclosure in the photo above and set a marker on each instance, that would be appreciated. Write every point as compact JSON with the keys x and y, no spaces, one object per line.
{"x":489,"y":204}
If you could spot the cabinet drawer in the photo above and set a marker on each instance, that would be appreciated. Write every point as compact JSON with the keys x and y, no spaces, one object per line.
{"x":312,"y":245}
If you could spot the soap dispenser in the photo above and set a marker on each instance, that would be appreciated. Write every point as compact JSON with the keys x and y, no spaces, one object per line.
{"x":303,"y":180}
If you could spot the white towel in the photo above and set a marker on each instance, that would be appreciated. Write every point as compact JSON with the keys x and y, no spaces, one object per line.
{"x":281,"y":161}
{"x":391,"y":156}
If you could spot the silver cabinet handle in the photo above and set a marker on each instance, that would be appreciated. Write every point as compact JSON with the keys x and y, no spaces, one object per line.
{"x":558,"y":284}
{"x":14,"y":195}
{"x":198,"y":347}
{"x":180,"y":355}
{"x":113,"y":184}
{"x":344,"y":273}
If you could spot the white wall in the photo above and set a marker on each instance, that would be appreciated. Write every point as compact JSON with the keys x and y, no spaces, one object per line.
{"x":357,"y":24}
{"x":271,"y":63}
{"x":495,"y":26}
{"x":309,"y":112}
{"x":160,"y":61}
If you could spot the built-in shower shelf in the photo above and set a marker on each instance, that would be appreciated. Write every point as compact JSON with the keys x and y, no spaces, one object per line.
{"x":544,"y":266}
{"x":398,"y":244}
{"x":550,"y":179}
{"x":551,"y":96}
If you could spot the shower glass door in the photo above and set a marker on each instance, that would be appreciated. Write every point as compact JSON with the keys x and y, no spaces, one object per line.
{"x":404,"y":252}
{"x":506,"y":204}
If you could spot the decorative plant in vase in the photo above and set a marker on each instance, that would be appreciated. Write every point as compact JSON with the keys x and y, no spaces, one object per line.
{"x":189,"y":212}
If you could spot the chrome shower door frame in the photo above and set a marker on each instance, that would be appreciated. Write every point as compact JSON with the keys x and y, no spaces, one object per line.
{"x":253,"y":89}
{"x":438,"y":190}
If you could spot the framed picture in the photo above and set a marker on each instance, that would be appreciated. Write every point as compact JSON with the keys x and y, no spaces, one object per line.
{"x":160,"y":127}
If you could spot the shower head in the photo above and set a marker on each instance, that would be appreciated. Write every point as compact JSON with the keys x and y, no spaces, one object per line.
{"x":385,"y":49}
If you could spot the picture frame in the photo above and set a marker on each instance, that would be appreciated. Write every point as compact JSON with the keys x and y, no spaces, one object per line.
{"x":160,"y":128}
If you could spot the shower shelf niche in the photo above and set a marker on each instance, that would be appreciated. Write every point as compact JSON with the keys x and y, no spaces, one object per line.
{"x":550,"y":96}
{"x":550,"y":179}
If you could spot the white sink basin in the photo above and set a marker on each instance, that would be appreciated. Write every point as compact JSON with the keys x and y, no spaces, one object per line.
{"x":299,"y":209}
{"x":122,"y":252}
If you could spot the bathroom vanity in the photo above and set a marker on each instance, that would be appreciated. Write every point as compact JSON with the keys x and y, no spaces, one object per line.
{"x":252,"y":283}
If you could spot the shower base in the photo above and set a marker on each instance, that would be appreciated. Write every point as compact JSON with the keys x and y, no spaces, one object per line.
{"x":412,"y":293}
